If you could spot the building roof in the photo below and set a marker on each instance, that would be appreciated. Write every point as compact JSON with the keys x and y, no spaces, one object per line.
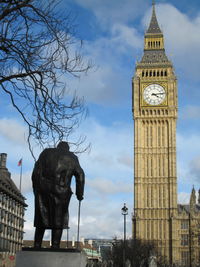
{"x":6,"y":183}
{"x":154,"y":26}
{"x":186,"y":208}
{"x":155,"y":56}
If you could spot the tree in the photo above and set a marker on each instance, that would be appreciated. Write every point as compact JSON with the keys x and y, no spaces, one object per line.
{"x":137,"y":251}
{"x":38,"y":52}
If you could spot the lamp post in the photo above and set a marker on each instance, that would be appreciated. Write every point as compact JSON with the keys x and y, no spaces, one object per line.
{"x":68,"y":237}
{"x":124,"y":213}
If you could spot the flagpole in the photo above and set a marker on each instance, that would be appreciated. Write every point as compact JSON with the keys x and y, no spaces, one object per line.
{"x":20,"y":181}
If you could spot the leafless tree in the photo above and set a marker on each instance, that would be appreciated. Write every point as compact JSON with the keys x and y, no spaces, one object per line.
{"x":138,"y":252}
{"x":38,"y":52}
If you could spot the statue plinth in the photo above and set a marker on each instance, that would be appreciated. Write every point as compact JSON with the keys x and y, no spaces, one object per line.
{"x":43,"y":257}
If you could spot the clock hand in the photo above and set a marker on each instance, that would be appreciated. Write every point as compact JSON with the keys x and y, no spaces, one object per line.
{"x":155,"y":94}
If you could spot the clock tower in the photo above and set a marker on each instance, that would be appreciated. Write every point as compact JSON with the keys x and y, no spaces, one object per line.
{"x":155,"y":116}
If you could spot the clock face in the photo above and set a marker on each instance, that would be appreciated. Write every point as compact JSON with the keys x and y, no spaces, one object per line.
{"x":154,"y":94}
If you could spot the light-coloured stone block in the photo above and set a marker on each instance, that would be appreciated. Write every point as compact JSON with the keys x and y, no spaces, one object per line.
{"x":50,"y":259}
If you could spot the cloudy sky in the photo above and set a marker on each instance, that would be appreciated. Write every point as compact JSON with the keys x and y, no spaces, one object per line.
{"x":113,"y":33}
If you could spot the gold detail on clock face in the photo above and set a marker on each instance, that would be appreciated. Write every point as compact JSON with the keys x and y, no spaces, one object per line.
{"x":154,"y":94}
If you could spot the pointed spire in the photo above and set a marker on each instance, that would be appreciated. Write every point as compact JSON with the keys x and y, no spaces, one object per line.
{"x":193,"y":197}
{"x":154,"y":27}
{"x":199,"y":198}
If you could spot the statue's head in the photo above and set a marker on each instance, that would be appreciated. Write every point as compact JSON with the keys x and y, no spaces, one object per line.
{"x":63,"y":145}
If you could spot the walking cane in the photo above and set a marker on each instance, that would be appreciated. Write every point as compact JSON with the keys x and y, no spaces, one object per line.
{"x":79,"y":212}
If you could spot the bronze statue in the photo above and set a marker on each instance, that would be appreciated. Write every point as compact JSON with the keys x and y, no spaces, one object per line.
{"x":51,"y":179}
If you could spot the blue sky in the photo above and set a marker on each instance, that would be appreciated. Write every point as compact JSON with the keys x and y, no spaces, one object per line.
{"x":113,"y":33}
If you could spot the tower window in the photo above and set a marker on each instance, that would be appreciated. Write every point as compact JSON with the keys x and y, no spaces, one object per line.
{"x":151,"y":167}
{"x":184,"y":240}
{"x":143,"y":74}
{"x":184,"y":224}
{"x":147,"y":196}
{"x":161,"y":73}
{"x":160,"y":228}
{"x":154,"y":73}
{"x":158,"y":74}
{"x":185,"y":258}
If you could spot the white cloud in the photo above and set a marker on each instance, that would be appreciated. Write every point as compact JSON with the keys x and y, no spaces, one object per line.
{"x":125,"y":37}
{"x":100,"y":219}
{"x":12,"y":130}
{"x":195,"y":169}
{"x":26,"y":183}
{"x":109,"y":82}
{"x":183,"y":198}
{"x":29,"y":230}
{"x":188,"y":154}
{"x":111,"y":149}
{"x":112,"y":11}
{"x":104,"y":186}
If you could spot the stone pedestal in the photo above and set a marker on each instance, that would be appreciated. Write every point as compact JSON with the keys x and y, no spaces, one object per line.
{"x":50,"y":258}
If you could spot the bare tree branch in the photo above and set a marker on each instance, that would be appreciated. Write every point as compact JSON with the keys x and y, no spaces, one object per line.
{"x":38,"y":51}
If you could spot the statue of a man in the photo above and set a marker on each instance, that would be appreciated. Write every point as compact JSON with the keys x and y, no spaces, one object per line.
{"x":51,"y":179}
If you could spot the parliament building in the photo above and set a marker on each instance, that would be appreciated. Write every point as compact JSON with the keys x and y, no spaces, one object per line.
{"x":12,"y":206}
{"x":157,"y":217}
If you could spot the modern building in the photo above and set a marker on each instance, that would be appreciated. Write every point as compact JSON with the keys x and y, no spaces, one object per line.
{"x":157,"y":216}
{"x":103,"y":246}
{"x":12,"y":206}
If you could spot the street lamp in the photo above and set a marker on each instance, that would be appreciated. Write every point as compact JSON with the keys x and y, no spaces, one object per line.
{"x":124,"y":213}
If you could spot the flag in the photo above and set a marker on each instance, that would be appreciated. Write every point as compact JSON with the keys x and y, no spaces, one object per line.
{"x":20,"y":162}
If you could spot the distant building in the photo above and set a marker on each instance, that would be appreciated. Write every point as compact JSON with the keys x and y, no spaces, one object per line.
{"x":103,"y":246}
{"x":188,"y":231}
{"x":12,"y":206}
{"x":90,"y":251}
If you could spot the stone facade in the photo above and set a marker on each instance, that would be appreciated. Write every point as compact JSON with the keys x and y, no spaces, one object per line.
{"x":12,"y":206}
{"x":157,"y":216}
